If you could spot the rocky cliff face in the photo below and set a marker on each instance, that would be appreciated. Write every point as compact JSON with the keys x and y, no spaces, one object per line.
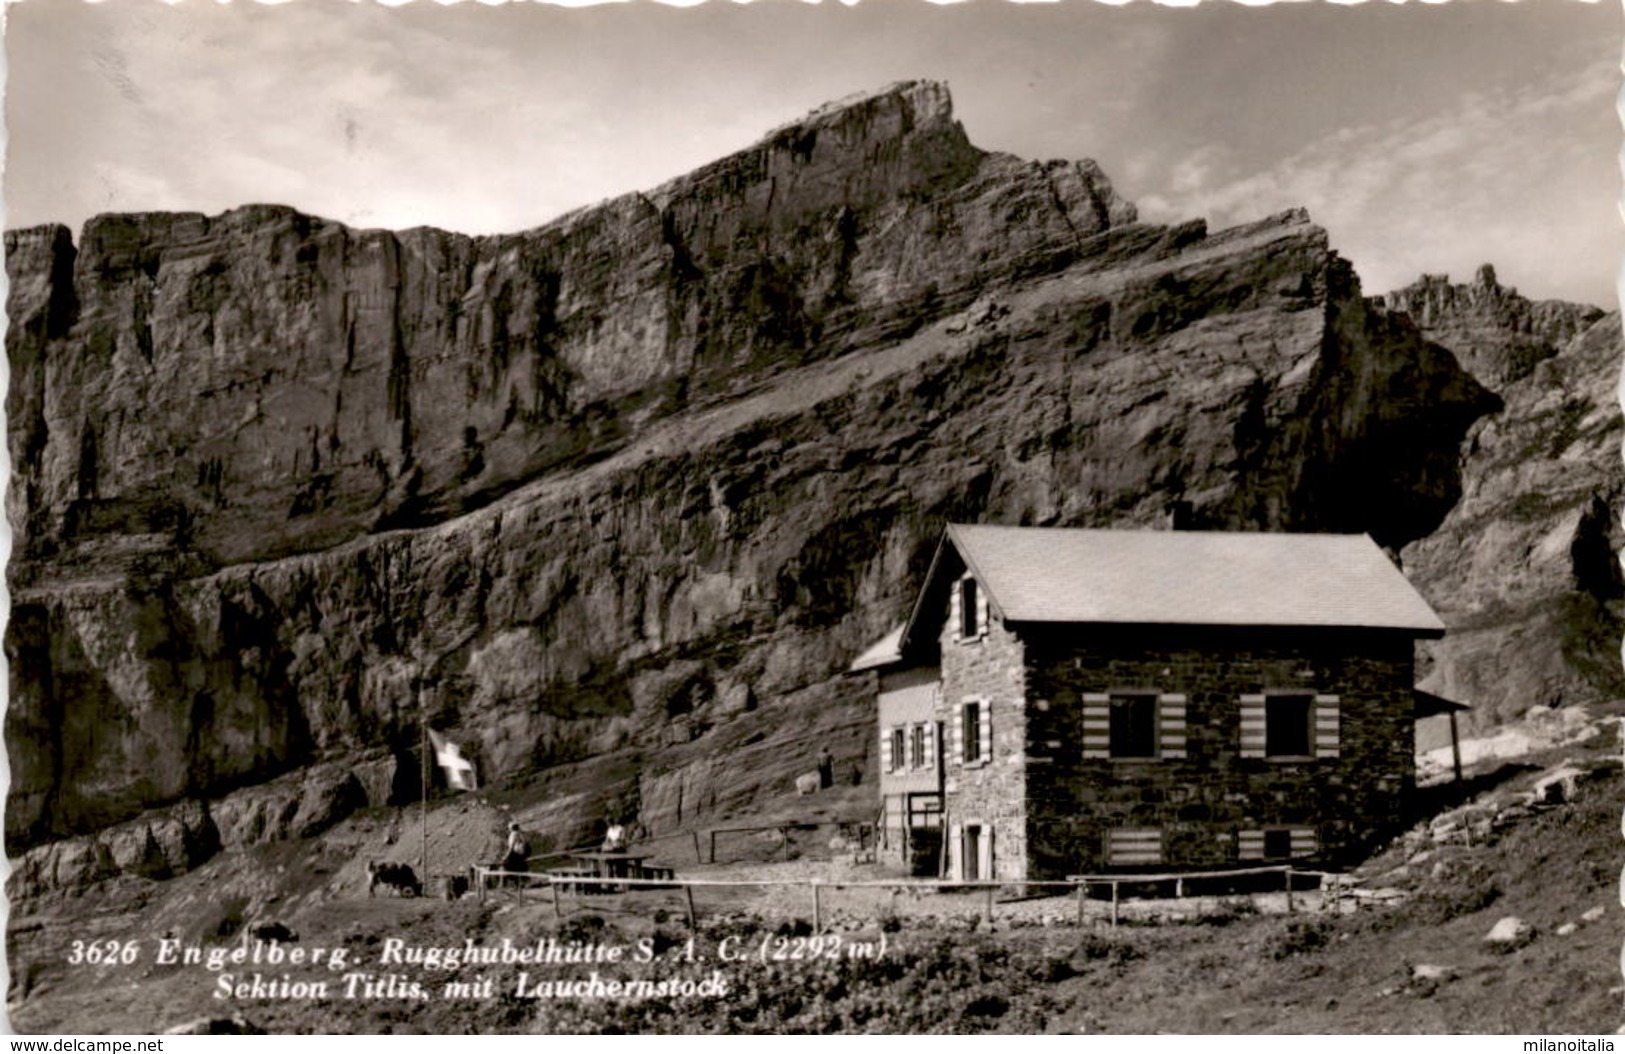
{"x":1523,"y":569}
{"x":632,"y":489}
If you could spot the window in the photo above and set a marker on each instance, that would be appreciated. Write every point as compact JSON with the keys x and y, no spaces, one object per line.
{"x":967,"y":611}
{"x":897,"y":758}
{"x":916,"y":748}
{"x":970,"y":621}
{"x":1133,"y":847}
{"x":1134,"y":725}
{"x":1277,"y":843}
{"x":1290,"y":725}
{"x":975,"y":732}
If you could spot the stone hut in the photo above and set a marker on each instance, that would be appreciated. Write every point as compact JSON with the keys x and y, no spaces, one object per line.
{"x":1080,"y":701}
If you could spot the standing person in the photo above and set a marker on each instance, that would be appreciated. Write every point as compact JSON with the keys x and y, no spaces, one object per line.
{"x":826,"y":769}
{"x":518,"y":853}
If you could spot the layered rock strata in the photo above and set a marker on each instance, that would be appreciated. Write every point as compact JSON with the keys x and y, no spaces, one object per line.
{"x":646,"y":478}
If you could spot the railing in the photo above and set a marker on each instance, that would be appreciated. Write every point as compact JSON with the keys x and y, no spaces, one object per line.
{"x":1333,"y":885}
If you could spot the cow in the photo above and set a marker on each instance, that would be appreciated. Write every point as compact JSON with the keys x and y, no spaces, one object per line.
{"x":807,"y":783}
{"x":399,"y":877}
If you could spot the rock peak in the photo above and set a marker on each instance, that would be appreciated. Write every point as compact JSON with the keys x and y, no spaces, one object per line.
{"x":926,"y":100}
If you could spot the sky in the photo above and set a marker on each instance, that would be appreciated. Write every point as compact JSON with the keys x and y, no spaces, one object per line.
{"x":1427,"y":138}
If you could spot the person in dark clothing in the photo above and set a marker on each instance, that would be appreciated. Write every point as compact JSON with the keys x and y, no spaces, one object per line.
{"x":826,"y":769}
{"x":518,"y":853}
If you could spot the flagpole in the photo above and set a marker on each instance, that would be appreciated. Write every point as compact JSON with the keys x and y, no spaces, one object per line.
{"x":423,"y":730}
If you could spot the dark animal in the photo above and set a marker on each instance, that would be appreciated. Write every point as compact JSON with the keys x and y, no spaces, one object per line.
{"x":399,"y":877}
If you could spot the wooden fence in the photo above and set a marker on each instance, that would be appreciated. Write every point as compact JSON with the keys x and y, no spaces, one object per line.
{"x":1295,"y":882}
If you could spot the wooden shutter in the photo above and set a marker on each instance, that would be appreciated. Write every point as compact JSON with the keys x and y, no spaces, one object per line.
{"x":1252,"y":726}
{"x":931,"y":745}
{"x":981,"y":611}
{"x":1097,"y":725}
{"x":885,"y":750}
{"x":984,"y":731}
{"x":1304,"y":842}
{"x":984,"y":866}
{"x":1171,"y":725}
{"x":1133,"y":846}
{"x":954,"y":850}
{"x":954,"y":620}
{"x":1327,"y":723}
{"x":1250,"y":845}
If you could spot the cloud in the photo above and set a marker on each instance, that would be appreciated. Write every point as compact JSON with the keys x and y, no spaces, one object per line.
{"x":1472,"y":182}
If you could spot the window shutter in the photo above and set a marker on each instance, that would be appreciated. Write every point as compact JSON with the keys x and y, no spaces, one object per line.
{"x":984,"y":731}
{"x":1326,"y":727}
{"x":956,"y":835}
{"x":1171,"y":725}
{"x":954,"y":621}
{"x":1252,"y":726}
{"x":931,"y":745}
{"x":1097,"y":725}
{"x":1304,"y":842}
{"x":981,"y":612}
{"x":885,"y":750}
{"x":1129,"y":847}
{"x":1250,"y":845}
{"x":985,"y":865}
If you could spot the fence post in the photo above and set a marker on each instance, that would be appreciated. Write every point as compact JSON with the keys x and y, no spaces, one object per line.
{"x":479,"y":873}
{"x":713,"y":857}
{"x":1289,"y":890}
{"x":1114,"y":905}
{"x":1179,"y":889}
{"x":557,"y":914}
{"x":818,"y":909}
{"x":989,"y":908}
{"x":688,"y":896}
{"x":696,"y":836}
{"x":1083,"y":888}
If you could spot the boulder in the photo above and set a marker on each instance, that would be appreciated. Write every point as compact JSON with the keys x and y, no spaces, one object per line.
{"x":1555,"y":788}
{"x":1509,"y":933}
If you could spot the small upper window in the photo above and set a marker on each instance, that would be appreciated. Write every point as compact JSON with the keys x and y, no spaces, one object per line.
{"x":971,"y":732}
{"x":1289,"y":725}
{"x":897,"y":757}
{"x":1134,"y":725}
{"x":917,"y":748}
{"x":970,"y":623}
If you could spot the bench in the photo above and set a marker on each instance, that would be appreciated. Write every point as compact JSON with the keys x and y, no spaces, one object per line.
{"x":658,"y":874}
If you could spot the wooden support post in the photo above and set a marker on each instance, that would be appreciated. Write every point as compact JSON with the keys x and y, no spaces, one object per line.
{"x":1455,"y":746}
{"x":480,"y":874}
{"x":1114,"y":905}
{"x":818,"y":909}
{"x":557,"y":914}
{"x":1288,"y":873}
{"x":1179,"y":889}
{"x":1083,"y":889}
{"x":688,"y":896}
{"x":713,"y":857}
{"x":697,"y":857}
{"x":988,"y":911}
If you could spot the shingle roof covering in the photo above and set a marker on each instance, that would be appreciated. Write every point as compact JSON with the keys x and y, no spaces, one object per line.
{"x":883,"y":652}
{"x":1207,"y":578}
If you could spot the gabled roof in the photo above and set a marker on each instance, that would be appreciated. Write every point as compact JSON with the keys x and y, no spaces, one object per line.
{"x":1207,"y":578}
